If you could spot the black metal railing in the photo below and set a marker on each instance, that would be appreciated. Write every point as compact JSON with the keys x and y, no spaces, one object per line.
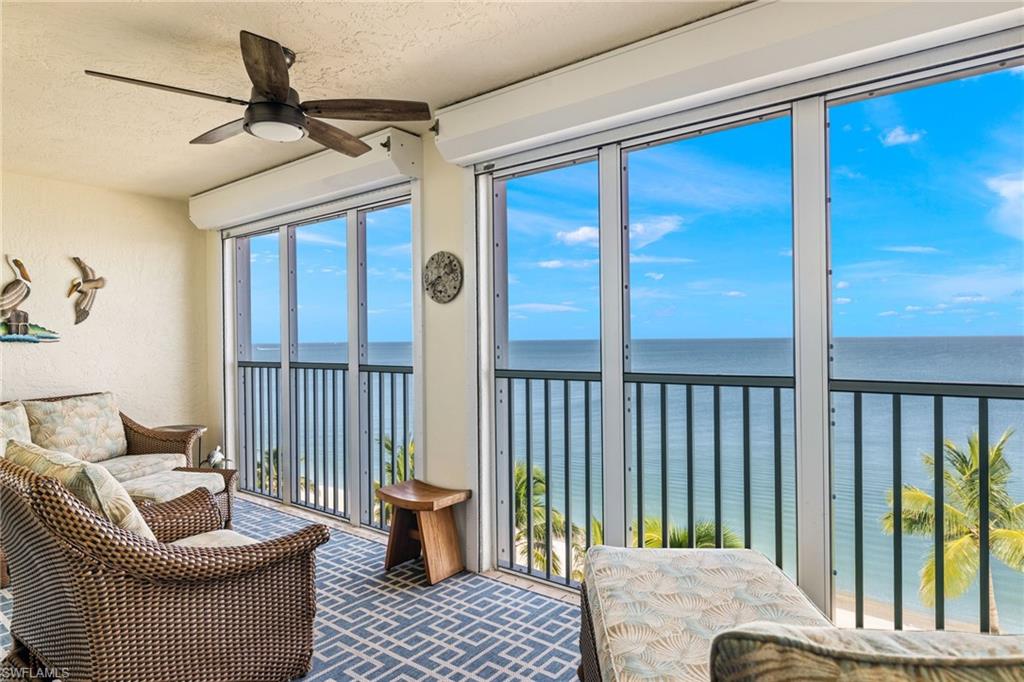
{"x":700,"y":439}
{"x":259,"y":429}
{"x":319,"y":436}
{"x":949,"y":501}
{"x":390,"y":453}
{"x":551,"y":422}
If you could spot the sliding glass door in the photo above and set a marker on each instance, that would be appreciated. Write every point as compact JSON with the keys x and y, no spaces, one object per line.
{"x":325,"y":422}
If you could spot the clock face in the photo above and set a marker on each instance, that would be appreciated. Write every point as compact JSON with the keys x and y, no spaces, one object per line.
{"x":442,"y":276}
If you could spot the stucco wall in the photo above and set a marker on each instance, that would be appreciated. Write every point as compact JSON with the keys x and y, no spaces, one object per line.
{"x":146,"y":337}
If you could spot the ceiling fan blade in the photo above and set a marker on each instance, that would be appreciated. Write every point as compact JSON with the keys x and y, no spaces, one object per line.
{"x":168,"y":88}
{"x":221,"y":132}
{"x":335,"y":138}
{"x":266,"y":65}
{"x":368,"y":109}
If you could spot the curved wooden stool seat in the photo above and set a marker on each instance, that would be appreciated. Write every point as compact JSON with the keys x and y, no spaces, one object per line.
{"x":423,"y":521}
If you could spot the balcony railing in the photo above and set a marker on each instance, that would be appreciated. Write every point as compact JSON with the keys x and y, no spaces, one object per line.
{"x":319,"y":442}
{"x":259,"y":428}
{"x":707,"y":453}
{"x":390,"y":453}
{"x":550,"y":425}
{"x":940,"y":501}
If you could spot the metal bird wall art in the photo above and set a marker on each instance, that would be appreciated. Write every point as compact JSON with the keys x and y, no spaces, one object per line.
{"x":17,"y":290}
{"x":86,"y":287}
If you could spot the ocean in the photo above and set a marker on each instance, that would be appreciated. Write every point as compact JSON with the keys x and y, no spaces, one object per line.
{"x":995,"y":360}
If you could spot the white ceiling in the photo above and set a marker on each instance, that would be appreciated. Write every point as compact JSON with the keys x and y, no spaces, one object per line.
{"x":59,"y":123}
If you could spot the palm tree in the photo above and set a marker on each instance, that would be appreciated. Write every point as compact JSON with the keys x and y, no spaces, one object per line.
{"x":537,"y":511}
{"x":704,"y":532}
{"x":962,"y":491}
{"x":395,"y":474}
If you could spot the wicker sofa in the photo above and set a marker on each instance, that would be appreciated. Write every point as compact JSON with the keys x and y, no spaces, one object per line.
{"x":96,"y":602}
{"x":731,"y":615}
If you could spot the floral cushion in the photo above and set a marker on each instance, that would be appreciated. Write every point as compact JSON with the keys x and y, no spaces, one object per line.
{"x":90,"y":483}
{"x":771,"y":651}
{"x":655,"y":611}
{"x":215,"y":538}
{"x":88,"y":427}
{"x":13,"y":425}
{"x":127,"y":467}
{"x":167,"y":485}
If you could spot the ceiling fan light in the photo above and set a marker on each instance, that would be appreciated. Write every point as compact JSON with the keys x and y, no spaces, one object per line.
{"x":276,"y":131}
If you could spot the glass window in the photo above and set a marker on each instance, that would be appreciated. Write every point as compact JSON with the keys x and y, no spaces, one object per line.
{"x":389,"y":285}
{"x":264,"y":298}
{"x":710,"y":253}
{"x":927,"y":187}
{"x":554,"y":307}
{"x":321,"y":291}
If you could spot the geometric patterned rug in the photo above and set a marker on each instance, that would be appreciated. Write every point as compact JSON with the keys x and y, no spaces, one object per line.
{"x":392,"y":626}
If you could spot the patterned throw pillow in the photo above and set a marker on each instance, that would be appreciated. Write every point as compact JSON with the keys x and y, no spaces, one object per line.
{"x":13,"y":425}
{"x":88,"y":427}
{"x":90,"y":483}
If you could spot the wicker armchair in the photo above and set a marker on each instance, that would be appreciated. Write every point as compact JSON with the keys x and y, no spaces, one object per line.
{"x":95,"y":602}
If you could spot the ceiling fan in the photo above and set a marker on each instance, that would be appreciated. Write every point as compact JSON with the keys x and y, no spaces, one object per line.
{"x":274,"y":111}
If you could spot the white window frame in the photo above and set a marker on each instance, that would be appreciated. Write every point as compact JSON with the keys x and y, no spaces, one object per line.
{"x":807,"y":101}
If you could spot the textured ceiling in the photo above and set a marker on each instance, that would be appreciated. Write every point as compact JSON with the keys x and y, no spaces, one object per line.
{"x":59,"y":123}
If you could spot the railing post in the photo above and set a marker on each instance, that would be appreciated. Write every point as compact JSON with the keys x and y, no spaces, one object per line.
{"x":613,"y":235}
{"x":286,"y":249}
{"x":811,"y":336}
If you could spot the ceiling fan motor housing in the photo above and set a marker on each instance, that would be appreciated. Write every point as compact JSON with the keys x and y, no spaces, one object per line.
{"x":275,"y":121}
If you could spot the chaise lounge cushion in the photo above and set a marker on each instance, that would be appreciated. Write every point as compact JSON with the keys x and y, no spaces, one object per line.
{"x":215,"y":538}
{"x":168,"y":485}
{"x":127,"y":467}
{"x":13,"y":425}
{"x":88,"y":427}
{"x":772,"y":651}
{"x":90,"y":483}
{"x":655,"y":611}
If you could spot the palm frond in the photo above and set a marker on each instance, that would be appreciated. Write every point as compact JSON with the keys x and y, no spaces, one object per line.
{"x":1008,"y":545}
{"x":960,"y":566}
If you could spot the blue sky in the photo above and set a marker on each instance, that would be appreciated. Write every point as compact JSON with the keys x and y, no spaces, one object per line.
{"x":927,"y":232}
{"x":321,"y":281}
{"x":926,"y":226}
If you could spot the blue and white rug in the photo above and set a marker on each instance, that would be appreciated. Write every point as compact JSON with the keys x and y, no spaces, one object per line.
{"x":373,"y":625}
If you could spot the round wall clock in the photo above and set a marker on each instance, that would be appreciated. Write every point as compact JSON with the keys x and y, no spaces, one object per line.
{"x":442,"y":277}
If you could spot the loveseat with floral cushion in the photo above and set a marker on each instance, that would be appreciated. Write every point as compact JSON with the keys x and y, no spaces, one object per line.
{"x":732,"y":615}
{"x":151,"y":464}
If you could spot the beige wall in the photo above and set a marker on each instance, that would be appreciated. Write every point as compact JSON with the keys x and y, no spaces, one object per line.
{"x":146,"y":337}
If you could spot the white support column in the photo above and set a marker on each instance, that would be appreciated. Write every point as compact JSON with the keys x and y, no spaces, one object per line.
{"x":492,"y":280}
{"x":356,"y":398}
{"x":286,"y":260}
{"x":811,"y":287}
{"x":419,"y":332}
{"x":613,"y":439}
{"x":228,"y":353}
{"x":479,"y":516}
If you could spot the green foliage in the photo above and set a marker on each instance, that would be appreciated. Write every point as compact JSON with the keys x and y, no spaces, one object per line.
{"x":961,"y":519}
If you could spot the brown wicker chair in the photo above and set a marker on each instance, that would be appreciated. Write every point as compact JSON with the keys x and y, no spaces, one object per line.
{"x":95,"y":602}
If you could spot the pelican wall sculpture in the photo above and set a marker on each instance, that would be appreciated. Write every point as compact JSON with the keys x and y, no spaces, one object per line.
{"x":14,"y":322}
{"x":86,"y":287}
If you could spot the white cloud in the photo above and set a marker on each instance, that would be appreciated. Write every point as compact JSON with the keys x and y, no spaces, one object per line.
{"x":913,"y":308}
{"x":847,"y":128}
{"x":1009,"y":215}
{"x":842,"y":301}
{"x":316,"y":238}
{"x":842,"y":285}
{"x":656,"y":276}
{"x":395,"y":250}
{"x":733,"y":294}
{"x":644,"y":233}
{"x":558,"y":264}
{"x":970,"y":298}
{"x":888,"y":313}
{"x":545,"y":308}
{"x":913,"y":248}
{"x":900,"y":135}
{"x":660,"y":260}
{"x":786,"y":253}
{"x":847,"y":172}
{"x":581,"y":236}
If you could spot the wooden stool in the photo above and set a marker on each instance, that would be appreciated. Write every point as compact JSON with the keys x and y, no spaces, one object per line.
{"x":423,"y":519}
